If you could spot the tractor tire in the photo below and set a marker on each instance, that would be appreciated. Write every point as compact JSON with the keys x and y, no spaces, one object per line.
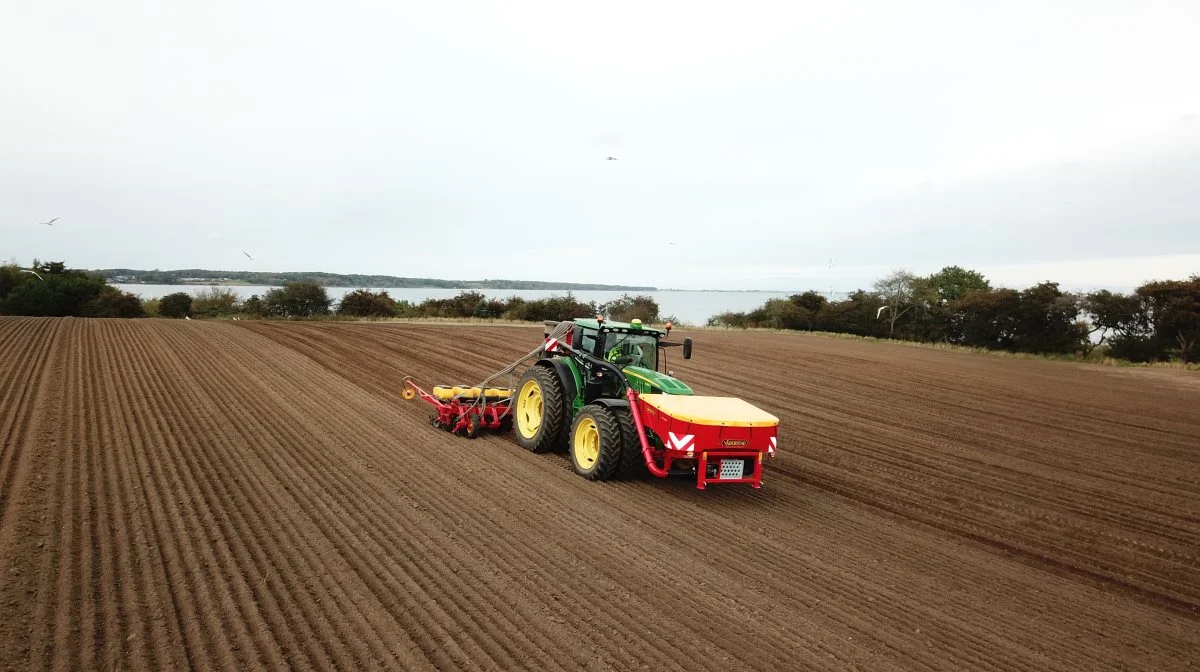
{"x":596,"y":443}
{"x":540,"y":410}
{"x":632,"y":465}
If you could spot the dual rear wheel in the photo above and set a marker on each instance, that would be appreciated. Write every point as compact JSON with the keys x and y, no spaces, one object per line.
{"x":602,"y":441}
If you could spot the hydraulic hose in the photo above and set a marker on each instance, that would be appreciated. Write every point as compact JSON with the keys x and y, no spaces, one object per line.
{"x":641,"y":431}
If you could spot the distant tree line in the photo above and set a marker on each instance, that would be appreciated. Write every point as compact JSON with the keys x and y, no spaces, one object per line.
{"x":1159,"y":321}
{"x":202,"y":276}
{"x":307,"y":300}
{"x":51,"y":289}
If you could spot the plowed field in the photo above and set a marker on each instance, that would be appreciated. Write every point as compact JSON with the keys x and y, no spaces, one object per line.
{"x":211,"y":495}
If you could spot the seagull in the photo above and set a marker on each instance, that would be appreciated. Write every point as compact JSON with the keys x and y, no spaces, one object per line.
{"x":880,"y":311}
{"x":51,"y":222}
{"x":26,"y":270}
{"x":248,"y":255}
{"x":611,"y":158}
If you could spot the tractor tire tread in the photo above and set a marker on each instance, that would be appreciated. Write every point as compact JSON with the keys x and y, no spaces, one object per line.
{"x":611,"y":443}
{"x":554,"y":427}
{"x":632,"y":465}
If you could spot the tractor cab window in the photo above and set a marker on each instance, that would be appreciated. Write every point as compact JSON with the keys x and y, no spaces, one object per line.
{"x":631,"y":350}
{"x":587,"y":340}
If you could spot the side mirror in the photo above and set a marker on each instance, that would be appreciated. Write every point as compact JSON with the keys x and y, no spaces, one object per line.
{"x":687,"y":348}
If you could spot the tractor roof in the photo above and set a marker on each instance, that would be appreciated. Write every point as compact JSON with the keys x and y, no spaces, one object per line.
{"x":613,"y":325}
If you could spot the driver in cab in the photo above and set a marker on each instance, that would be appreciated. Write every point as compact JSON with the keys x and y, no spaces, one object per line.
{"x":626,"y":354}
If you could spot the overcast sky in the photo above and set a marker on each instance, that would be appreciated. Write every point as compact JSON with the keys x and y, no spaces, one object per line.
{"x":755,"y":141}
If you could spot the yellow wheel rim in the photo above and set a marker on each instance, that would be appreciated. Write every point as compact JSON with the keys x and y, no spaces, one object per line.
{"x":529,"y":409}
{"x":587,"y":443}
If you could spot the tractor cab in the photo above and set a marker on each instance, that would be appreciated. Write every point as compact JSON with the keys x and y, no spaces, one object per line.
{"x":639,"y":351}
{"x":623,"y":343}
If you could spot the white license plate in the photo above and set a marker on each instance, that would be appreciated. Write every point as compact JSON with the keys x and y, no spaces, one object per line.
{"x":732,"y":469}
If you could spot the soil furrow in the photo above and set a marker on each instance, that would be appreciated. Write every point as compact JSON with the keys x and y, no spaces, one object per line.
{"x":277,"y":568}
{"x":220,"y":495}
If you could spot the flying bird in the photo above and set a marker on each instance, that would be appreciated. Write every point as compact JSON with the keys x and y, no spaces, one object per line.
{"x":611,"y":158}
{"x":26,"y":270}
{"x":880,"y":311}
{"x":248,"y":255}
{"x":51,"y":222}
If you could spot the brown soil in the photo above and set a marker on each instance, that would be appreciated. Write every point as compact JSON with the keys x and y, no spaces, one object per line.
{"x":244,"y":495}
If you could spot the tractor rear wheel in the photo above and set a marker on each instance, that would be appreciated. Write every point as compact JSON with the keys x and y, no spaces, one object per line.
{"x":632,"y":465}
{"x":596,"y":443}
{"x":540,"y":419}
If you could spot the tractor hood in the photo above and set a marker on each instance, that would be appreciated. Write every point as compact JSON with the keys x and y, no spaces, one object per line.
{"x":657,"y":382}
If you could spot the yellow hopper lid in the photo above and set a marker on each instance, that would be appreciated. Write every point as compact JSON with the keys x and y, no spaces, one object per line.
{"x":719,"y":411}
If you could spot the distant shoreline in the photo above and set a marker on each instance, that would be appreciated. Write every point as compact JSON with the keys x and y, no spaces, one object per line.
{"x":569,"y":288}
{"x":197,"y":277}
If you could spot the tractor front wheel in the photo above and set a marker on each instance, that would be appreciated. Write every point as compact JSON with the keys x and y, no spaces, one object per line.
{"x":596,"y":443}
{"x":539,"y":415}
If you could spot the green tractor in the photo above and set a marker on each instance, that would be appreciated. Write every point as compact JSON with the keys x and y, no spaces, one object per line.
{"x":573,"y":397}
{"x":602,"y":390}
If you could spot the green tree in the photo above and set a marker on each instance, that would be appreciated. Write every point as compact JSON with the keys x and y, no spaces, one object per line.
{"x":463,"y":304}
{"x":1174,"y":310}
{"x":1122,"y":317}
{"x":1040,"y":319}
{"x":932,"y":318}
{"x":551,"y":308}
{"x":10,"y":277}
{"x":953,"y":282}
{"x":489,"y":309}
{"x":858,"y":314}
{"x":900,"y":292}
{"x":297,"y":299}
{"x":986,"y":319}
{"x":810,"y":304}
{"x":58,"y":293}
{"x":784,"y":314}
{"x":626,"y":308}
{"x":254,"y":306}
{"x":728,"y":318}
{"x":365,"y":303}
{"x":1047,"y":321}
{"x":177,"y":305}
{"x":112,"y":302}
{"x":55,"y":268}
{"x":215,"y":302}
{"x":811,"y":301}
